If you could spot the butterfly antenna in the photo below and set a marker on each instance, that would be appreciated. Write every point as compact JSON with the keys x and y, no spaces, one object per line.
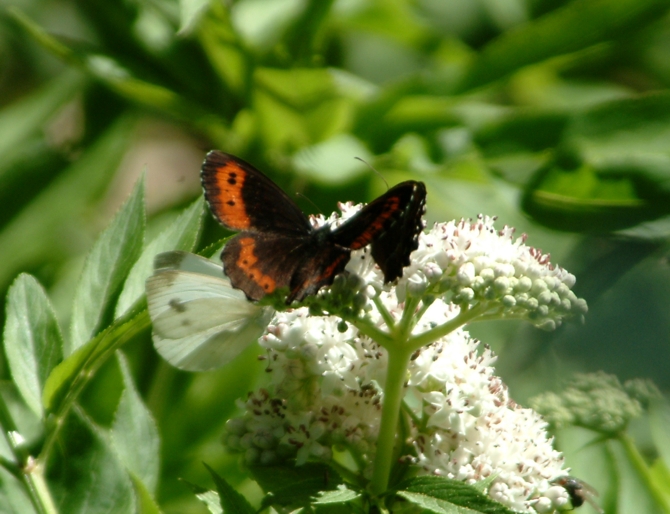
{"x":310,"y":201}
{"x":373,"y":169}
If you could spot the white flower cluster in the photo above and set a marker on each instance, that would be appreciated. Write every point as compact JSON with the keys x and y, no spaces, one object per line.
{"x":471,"y":264}
{"x":326,"y":379}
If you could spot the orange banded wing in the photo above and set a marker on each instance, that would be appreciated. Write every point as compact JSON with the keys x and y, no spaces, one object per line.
{"x":259,"y":264}
{"x":243,"y":198}
{"x":391,"y":223}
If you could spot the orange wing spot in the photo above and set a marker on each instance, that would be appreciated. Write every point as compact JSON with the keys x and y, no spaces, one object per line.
{"x":328,"y":272}
{"x":247,"y":261}
{"x":230,"y":207}
{"x":391,"y":207}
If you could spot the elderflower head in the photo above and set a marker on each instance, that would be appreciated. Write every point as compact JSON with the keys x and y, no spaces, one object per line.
{"x":327,"y":379}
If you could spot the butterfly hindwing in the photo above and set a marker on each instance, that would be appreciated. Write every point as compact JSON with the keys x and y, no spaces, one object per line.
{"x":243,"y":198}
{"x":392,"y":247}
{"x":391,"y":223}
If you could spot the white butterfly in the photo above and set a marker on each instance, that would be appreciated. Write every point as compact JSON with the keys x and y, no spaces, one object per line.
{"x":200,"y":321}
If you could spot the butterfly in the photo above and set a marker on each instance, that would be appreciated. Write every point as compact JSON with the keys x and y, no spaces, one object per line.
{"x":278,"y":247}
{"x":200,"y":321}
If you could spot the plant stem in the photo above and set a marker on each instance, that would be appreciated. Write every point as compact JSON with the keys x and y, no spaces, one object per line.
{"x":398,"y":359}
{"x":642,"y":468}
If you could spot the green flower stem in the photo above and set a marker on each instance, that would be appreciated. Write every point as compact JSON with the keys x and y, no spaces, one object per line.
{"x":398,"y":360}
{"x":465,"y":316}
{"x":642,"y":468}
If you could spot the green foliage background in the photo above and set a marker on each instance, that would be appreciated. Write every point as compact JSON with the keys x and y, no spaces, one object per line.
{"x":553,"y":115}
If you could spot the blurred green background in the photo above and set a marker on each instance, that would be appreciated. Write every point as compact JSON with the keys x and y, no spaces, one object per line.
{"x":553,"y":115}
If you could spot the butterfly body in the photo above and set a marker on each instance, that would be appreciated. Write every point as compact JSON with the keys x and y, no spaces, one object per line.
{"x":278,"y":247}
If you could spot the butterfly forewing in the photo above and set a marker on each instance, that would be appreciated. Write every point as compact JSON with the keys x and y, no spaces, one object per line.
{"x":243,"y":198}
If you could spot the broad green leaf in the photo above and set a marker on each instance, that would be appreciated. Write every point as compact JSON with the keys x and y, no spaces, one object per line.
{"x":295,"y":486}
{"x":232,"y":502}
{"x":42,"y":228}
{"x":577,"y":25}
{"x":91,"y":478}
{"x":659,"y":421}
{"x":190,"y":13}
{"x":442,"y":495}
{"x":181,"y":235}
{"x":13,"y":498}
{"x":626,"y":137}
{"x":582,"y":200}
{"x":431,"y":504}
{"x":134,"y":433}
{"x":107,"y":265}
{"x":33,"y":340}
{"x":27,"y":117}
{"x":118,"y":79}
{"x":68,"y":378}
{"x":341,"y":495}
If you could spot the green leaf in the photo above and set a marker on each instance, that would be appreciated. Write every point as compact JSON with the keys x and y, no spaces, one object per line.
{"x":341,"y":495}
{"x":26,"y":117}
{"x":209,"y":498}
{"x":232,"y":502}
{"x":333,"y":161}
{"x":181,"y":235}
{"x":42,"y":228}
{"x":90,"y":478}
{"x":578,"y":25}
{"x":106,"y":267}
{"x":68,"y":378}
{"x":143,"y":498}
{"x":134,"y":433}
{"x":13,"y":499}
{"x":33,"y":340}
{"x":659,"y":421}
{"x":634,"y":493}
{"x":190,"y":13}
{"x":443,"y":496}
{"x":295,"y":485}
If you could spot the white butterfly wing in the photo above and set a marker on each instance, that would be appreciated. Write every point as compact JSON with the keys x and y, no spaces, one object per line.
{"x":200,"y":321}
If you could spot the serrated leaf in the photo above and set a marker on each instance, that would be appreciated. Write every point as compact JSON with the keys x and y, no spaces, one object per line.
{"x":42,"y":228}
{"x":295,"y":485}
{"x":91,"y":478}
{"x":143,"y":497}
{"x":33,"y":340}
{"x":110,"y":259}
{"x":232,"y":502}
{"x":67,"y":379}
{"x":437,"y":493}
{"x":341,"y":495}
{"x":209,"y":498}
{"x":134,"y":433}
{"x":181,"y":235}
{"x":432,"y":504}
